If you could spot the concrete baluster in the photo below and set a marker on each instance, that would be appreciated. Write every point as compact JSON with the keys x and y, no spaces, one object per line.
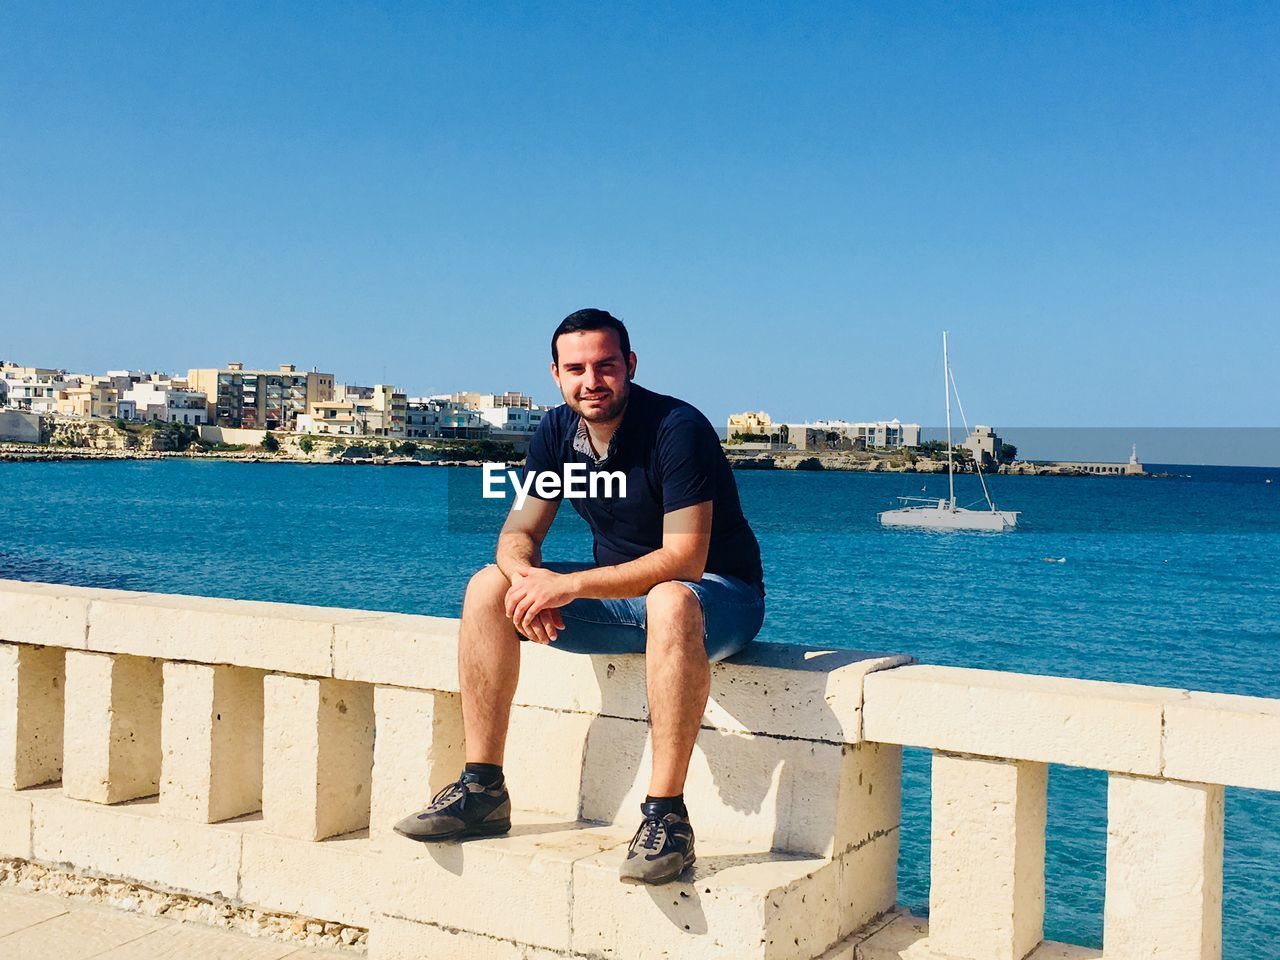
{"x":112,"y":728}
{"x":212,"y":742}
{"x":1164,"y":870}
{"x":419,"y":748}
{"x":317,"y":756}
{"x":31,"y":705}
{"x":986,"y":898}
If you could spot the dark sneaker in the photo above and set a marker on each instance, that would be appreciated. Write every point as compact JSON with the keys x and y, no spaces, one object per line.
{"x":462,"y":809}
{"x":661,"y":849}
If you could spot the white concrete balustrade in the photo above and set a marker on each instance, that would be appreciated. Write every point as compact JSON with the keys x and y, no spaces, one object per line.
{"x":260,"y":752}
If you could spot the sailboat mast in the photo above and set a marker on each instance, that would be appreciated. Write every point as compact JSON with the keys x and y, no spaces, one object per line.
{"x":946,"y":386}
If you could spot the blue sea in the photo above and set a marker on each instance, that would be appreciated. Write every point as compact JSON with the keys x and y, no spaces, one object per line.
{"x":1167,"y":581}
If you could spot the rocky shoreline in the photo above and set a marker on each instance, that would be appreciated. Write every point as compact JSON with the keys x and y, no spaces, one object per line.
{"x":835,"y":460}
{"x":45,"y":453}
{"x":860,"y":462}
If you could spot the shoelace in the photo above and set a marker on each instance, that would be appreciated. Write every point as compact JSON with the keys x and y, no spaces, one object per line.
{"x":454,"y":793}
{"x":655,"y":834}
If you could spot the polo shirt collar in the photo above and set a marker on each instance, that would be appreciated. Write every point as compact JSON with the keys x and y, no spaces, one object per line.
{"x":582,"y":440}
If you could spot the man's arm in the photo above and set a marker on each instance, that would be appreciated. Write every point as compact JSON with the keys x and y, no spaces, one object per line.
{"x":519,"y":554}
{"x":520,"y":542}
{"x":686,"y":538}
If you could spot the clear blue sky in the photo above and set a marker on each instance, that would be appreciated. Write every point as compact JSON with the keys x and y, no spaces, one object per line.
{"x":786,"y":203}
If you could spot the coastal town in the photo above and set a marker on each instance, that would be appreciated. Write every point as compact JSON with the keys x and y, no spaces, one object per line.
{"x":288,"y":413}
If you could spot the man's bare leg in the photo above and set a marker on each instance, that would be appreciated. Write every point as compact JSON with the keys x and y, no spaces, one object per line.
{"x":488,"y":666}
{"x":679,"y":680}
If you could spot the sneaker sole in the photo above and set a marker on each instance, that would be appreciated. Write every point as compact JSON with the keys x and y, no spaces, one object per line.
{"x":494,"y":829}
{"x":657,"y":881}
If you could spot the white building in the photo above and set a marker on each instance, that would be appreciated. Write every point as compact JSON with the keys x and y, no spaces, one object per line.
{"x":877,"y":434}
{"x":166,"y":404}
{"x":444,"y":418}
{"x":35,"y":389}
{"x":513,"y":419}
{"x":869,"y":435}
{"x":485,"y":401}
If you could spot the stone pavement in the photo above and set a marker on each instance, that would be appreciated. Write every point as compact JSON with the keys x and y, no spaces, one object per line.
{"x":40,"y":927}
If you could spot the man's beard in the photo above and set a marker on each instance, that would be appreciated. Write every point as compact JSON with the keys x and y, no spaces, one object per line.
{"x":601,"y":414}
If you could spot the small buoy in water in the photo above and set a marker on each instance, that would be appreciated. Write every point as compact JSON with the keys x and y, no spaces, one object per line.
{"x":1054,"y":559}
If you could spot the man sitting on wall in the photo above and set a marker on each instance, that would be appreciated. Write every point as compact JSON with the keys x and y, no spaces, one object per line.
{"x":677,"y":577}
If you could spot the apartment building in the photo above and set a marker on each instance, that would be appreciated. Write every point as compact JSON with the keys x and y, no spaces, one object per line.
{"x":35,"y":389}
{"x":377,"y":411}
{"x":260,"y":399}
{"x":841,"y":434}
{"x":876,"y":434}
{"x":383,"y":407}
{"x":93,"y":398}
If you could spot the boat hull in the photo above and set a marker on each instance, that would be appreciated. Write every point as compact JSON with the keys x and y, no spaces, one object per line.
{"x":935,"y":518}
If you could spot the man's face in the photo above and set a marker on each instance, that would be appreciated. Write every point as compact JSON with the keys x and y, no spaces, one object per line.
{"x":593,"y":376}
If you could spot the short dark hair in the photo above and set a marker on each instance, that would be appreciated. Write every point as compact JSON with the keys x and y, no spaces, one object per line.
{"x":591,"y":319}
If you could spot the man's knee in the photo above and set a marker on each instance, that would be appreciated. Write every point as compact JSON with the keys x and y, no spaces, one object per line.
{"x":673,"y":604}
{"x":485,"y":591}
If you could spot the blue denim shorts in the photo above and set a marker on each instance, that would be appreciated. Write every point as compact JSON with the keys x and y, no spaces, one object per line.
{"x":732,"y":613}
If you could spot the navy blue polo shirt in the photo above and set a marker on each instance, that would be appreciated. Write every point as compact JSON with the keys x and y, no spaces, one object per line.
{"x":672,"y":458}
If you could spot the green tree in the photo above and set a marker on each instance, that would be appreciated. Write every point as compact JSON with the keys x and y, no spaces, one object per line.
{"x":306,"y":444}
{"x":1008,"y":453}
{"x":408,"y":448}
{"x":270,"y":443}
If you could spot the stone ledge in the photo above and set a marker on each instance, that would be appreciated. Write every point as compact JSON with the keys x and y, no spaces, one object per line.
{"x":1080,"y":723}
{"x":1220,"y":738}
{"x":733,"y":906}
{"x":552,"y":888}
{"x":46,"y":614}
{"x":787,"y":691}
{"x":905,"y":937}
{"x":236,"y":860}
{"x":15,"y":824}
{"x":135,"y":840}
{"x":549,"y":886}
{"x":49,"y":886}
{"x":332,"y":879}
{"x":782,"y":690}
{"x":284,"y":637}
{"x":516,"y":888}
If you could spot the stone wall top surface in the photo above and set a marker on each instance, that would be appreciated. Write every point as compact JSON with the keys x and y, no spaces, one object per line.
{"x":812,"y":693}
{"x":1084,"y":723}
{"x":776,"y":689}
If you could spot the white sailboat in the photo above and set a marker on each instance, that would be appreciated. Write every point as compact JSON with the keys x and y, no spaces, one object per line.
{"x":940,"y":514}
